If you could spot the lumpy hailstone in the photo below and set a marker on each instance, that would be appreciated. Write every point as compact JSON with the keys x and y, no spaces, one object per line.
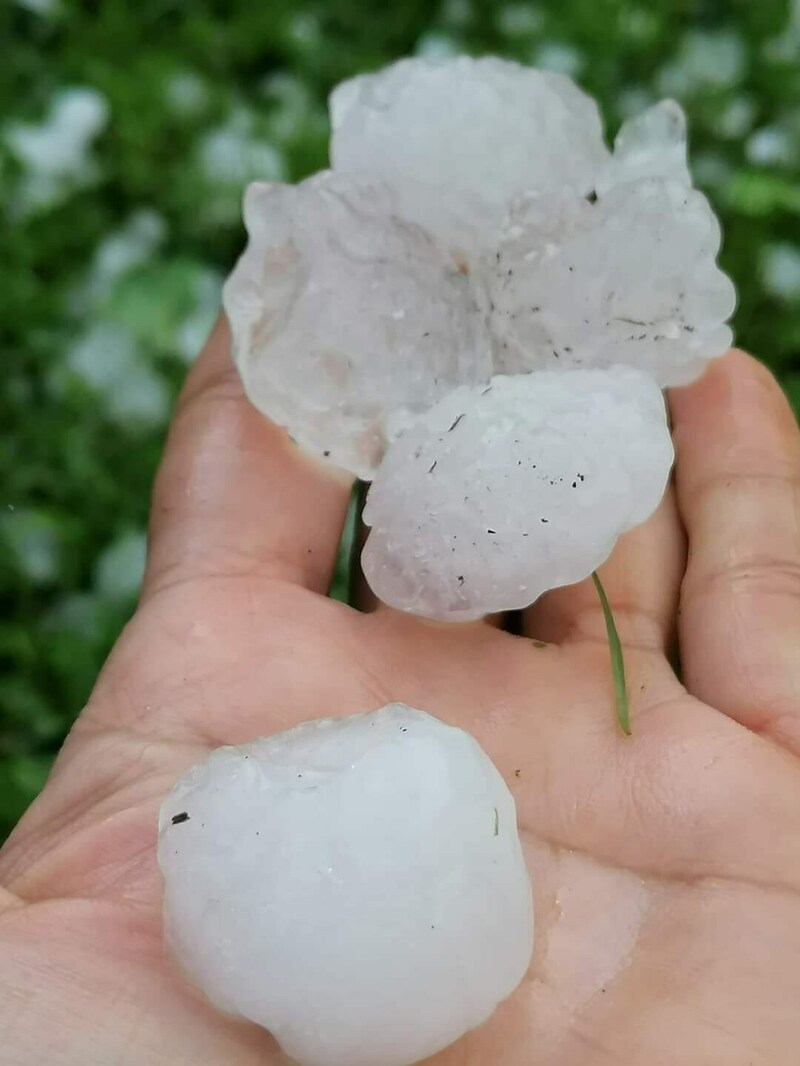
{"x":474,"y":222}
{"x":461,"y":138}
{"x":499,"y":494}
{"x":346,"y":320}
{"x":356,"y":886}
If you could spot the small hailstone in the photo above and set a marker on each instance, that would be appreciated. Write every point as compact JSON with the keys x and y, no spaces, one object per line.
{"x":631,"y":278}
{"x":649,"y":145}
{"x":498,"y":494}
{"x":56,"y":153}
{"x":58,"y":146}
{"x":356,"y":886}
{"x":346,"y":320}
{"x":461,"y":138}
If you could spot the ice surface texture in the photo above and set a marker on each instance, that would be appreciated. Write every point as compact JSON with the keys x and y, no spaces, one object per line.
{"x":356,"y":886}
{"x":628,"y":279}
{"x":501,"y":493}
{"x":649,"y":145}
{"x":462,"y":138}
{"x":346,"y":319}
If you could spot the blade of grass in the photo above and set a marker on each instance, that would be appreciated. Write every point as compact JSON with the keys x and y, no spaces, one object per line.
{"x":617,"y":660}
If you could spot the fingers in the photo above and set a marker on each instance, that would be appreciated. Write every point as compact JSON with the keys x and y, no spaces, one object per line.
{"x":738,"y":481}
{"x":641,"y":579}
{"x":233,"y":494}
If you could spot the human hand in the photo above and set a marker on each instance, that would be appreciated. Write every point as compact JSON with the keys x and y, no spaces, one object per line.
{"x":666,"y":866}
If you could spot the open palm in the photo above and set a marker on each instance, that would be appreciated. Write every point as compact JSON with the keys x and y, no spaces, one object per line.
{"x":666,"y":867}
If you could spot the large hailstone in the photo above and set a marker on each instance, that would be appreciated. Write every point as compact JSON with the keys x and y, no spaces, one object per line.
{"x":630,"y":278}
{"x":460,"y":138}
{"x":501,"y":493}
{"x":356,"y":886}
{"x":347,"y":321}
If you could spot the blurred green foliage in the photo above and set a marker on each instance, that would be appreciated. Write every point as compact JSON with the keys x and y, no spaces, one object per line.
{"x":126,"y":133}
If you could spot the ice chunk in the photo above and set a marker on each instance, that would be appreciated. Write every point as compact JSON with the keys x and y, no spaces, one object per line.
{"x":631,"y":278}
{"x":346,"y":320}
{"x":461,"y":138}
{"x":499,"y":494}
{"x":356,"y":886}
{"x":649,"y":145}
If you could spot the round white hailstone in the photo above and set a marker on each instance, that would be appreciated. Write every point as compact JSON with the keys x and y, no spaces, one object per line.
{"x":649,"y":145}
{"x":631,"y":278}
{"x":347,"y":321}
{"x":497,"y":495}
{"x":356,"y":886}
{"x":460,"y":138}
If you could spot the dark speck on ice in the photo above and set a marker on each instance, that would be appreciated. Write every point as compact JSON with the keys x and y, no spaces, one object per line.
{"x":182,"y":817}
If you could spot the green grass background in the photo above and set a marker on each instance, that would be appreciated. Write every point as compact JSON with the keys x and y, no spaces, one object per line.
{"x":112,"y":259}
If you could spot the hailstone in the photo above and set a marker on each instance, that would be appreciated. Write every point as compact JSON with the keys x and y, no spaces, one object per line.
{"x":498,"y":494}
{"x":474,"y":223}
{"x":356,"y":886}
{"x":460,"y":138}
{"x":346,"y":319}
{"x":630,"y":278}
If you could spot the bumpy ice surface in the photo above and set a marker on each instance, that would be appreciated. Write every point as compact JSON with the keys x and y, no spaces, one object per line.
{"x":499,"y":494}
{"x":649,"y":145}
{"x":461,"y":138}
{"x":630,"y":278}
{"x":347,"y":320}
{"x":356,"y":886}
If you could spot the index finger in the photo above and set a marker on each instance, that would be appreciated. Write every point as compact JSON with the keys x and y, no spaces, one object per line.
{"x":233,"y":494}
{"x":738,"y":482}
